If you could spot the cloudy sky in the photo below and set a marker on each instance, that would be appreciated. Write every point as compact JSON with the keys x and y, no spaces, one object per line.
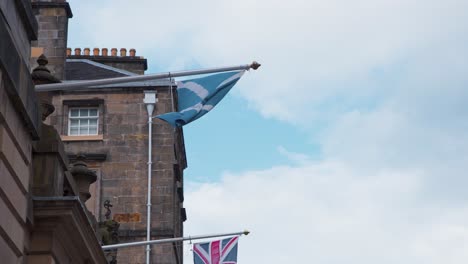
{"x":349,"y":145}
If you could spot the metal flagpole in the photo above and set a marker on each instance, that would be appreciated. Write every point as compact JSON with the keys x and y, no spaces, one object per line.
{"x":170,"y":240}
{"x":76,"y":85}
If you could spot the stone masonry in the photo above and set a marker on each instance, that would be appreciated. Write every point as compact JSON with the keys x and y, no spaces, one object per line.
{"x":119,"y":152}
{"x":19,"y":126}
{"x":40,"y":222}
{"x":52,"y":17}
{"x":123,"y":172}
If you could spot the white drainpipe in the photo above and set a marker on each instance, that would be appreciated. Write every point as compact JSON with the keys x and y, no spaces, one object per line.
{"x":150,"y":101}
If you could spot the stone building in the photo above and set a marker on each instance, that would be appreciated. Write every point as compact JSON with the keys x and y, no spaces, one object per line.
{"x":108,"y":125}
{"x":46,"y":213}
{"x":43,"y":219}
{"x":19,"y":127}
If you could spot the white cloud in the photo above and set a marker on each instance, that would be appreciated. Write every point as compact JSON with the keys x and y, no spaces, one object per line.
{"x":330,"y":212}
{"x":298,"y":158}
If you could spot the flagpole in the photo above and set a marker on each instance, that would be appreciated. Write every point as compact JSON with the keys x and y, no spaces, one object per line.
{"x":77,"y":85}
{"x":170,"y":240}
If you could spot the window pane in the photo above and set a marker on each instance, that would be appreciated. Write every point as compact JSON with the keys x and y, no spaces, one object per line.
{"x":93,"y":112}
{"x":84,"y":112}
{"x":73,"y":131}
{"x":74,"y":122}
{"x":93,"y":130}
{"x":74,"y":112}
{"x":93,"y":122}
{"x":83,"y":131}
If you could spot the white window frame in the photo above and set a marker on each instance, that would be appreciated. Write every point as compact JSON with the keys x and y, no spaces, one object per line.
{"x":70,"y":118}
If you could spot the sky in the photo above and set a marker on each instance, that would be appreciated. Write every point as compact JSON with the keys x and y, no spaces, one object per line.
{"x":349,"y":144}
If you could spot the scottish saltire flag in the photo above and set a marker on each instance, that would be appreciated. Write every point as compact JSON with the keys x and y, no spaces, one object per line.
{"x":197,"y":97}
{"x":216,"y":252}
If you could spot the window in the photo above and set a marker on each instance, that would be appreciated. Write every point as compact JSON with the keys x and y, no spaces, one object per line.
{"x":83,"y":121}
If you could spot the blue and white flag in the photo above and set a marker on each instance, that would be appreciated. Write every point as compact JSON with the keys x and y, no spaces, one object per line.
{"x":198,"y":96}
{"x":216,"y":252}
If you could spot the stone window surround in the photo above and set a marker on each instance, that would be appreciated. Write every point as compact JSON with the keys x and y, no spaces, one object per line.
{"x":67,"y":104}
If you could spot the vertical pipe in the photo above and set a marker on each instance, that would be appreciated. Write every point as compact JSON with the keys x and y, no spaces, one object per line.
{"x":150,"y":101}
{"x":148,"y":217}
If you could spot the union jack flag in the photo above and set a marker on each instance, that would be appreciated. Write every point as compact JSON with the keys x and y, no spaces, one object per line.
{"x":216,"y":252}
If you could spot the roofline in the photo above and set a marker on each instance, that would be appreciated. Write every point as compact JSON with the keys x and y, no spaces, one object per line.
{"x":100,"y":65}
{"x":125,"y":59}
{"x":137,"y":84}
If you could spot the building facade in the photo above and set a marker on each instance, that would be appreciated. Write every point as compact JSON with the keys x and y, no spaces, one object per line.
{"x":43,"y":219}
{"x":108,"y":127}
{"x":19,"y":127}
{"x":50,"y":212}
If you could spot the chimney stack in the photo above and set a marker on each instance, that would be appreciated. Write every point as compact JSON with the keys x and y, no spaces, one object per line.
{"x":125,"y":61}
{"x":52,"y":17}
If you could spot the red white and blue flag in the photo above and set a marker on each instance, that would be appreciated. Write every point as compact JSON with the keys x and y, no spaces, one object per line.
{"x":216,"y":252}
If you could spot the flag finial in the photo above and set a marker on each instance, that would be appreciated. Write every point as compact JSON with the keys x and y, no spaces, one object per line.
{"x":246,"y":232}
{"x":255,"y":65}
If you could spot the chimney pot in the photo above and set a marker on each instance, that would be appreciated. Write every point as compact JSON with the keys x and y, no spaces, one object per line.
{"x":86,"y":51}
{"x":104,"y":51}
{"x":96,"y":52}
{"x":77,"y":51}
{"x":113,"y":52}
{"x":68,"y":51}
{"x":132,"y":52}
{"x":123,"y":52}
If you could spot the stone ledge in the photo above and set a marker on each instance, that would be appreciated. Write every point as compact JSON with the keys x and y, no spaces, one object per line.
{"x":84,"y":102}
{"x":82,"y":138}
{"x":89,"y":156}
{"x":62,"y":226}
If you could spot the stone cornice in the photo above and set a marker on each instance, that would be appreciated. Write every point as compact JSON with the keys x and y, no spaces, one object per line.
{"x":89,"y":156}
{"x":67,"y":216}
{"x":65,"y":5}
